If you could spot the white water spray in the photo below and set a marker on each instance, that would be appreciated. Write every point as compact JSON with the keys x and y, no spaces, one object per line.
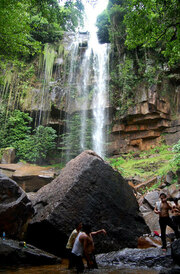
{"x":89,"y":77}
{"x":100,"y":66}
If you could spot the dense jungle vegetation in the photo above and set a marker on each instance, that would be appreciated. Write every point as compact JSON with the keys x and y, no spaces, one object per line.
{"x":145,"y":44}
{"x":26,"y":26}
{"x":145,"y":41}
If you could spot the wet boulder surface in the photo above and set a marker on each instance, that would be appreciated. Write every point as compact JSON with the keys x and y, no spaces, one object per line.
{"x":175,"y":248}
{"x":19,"y":253}
{"x":150,"y":258}
{"x":15,"y":208}
{"x":88,"y":189}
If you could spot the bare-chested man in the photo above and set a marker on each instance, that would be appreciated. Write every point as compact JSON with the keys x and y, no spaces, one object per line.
{"x":162,"y":208}
{"x":84,"y":245}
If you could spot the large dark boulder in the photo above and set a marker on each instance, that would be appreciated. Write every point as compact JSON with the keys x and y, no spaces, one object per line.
{"x":16,"y":253}
{"x":87,"y":189}
{"x":15,"y":208}
{"x":175,"y":250}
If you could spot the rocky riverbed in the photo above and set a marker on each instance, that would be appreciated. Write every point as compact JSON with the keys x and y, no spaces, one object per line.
{"x":87,"y":189}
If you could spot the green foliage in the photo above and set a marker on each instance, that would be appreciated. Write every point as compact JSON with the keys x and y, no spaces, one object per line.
{"x":71,"y":143}
{"x":151,"y":24}
{"x":45,"y":32}
{"x":73,"y":14}
{"x":36,"y":147}
{"x":15,"y":38}
{"x":153,"y":187}
{"x":26,"y":24}
{"x":154,"y":162}
{"x":103,"y":24}
{"x":176,"y":149}
{"x":117,"y":27}
{"x":15,"y":131}
{"x":154,"y":23}
{"x":15,"y":127}
{"x":123,"y":81}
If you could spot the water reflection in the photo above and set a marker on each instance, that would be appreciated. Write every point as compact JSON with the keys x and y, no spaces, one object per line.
{"x":62,"y":268}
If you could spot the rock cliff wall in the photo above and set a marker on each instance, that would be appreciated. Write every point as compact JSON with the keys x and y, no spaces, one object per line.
{"x":153,"y":118}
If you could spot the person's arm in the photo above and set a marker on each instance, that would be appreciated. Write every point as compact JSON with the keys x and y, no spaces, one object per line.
{"x":156,"y":210}
{"x":176,"y":209}
{"x":169,"y":205}
{"x":99,"y":232}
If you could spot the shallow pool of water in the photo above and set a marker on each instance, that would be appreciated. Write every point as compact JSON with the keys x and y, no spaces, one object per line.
{"x":63,"y":268}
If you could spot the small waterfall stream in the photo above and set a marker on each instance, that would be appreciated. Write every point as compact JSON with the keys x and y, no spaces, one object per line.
{"x":46,"y":74}
{"x":87,"y":87}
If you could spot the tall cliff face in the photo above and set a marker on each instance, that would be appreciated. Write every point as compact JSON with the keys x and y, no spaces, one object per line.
{"x":144,"y":108}
{"x":143,"y":112}
{"x":73,"y":94}
{"x":153,"y":118}
{"x":145,"y":99}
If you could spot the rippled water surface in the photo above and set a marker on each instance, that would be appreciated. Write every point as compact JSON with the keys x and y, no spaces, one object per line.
{"x":62,"y":268}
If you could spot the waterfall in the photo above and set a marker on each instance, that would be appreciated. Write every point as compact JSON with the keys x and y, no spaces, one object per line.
{"x":87,"y":88}
{"x":100,"y":99}
{"x":46,"y":74}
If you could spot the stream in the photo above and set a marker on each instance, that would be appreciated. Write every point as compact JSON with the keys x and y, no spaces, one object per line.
{"x":63,"y":268}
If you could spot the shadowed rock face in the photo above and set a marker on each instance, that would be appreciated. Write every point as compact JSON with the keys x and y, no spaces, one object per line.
{"x":175,"y":249}
{"x":15,"y":208}
{"x":87,"y":189}
{"x":15,"y":253}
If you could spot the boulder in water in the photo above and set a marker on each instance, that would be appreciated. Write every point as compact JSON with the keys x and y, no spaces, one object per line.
{"x":18,"y":253}
{"x":148,"y":258}
{"x":90,"y":190}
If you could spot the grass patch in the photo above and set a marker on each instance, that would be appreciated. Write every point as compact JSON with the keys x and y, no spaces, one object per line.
{"x":154,"y":162}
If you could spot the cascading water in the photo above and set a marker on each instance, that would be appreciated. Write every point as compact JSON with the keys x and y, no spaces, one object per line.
{"x":87,"y":87}
{"x":47,"y":69}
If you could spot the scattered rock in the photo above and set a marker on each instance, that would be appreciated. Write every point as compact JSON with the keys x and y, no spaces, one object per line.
{"x":151,"y":198}
{"x":174,"y":190}
{"x":88,"y":189}
{"x":147,"y":209}
{"x":169,"y":177}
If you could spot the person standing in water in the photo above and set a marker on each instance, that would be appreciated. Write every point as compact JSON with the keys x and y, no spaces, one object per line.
{"x":84,"y":245}
{"x":70,"y":243}
{"x":162,"y":208}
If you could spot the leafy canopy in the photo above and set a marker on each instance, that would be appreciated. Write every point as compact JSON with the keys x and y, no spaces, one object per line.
{"x":16,"y":131}
{"x":26,"y":24}
{"x":152,"y":23}
{"x":35,"y":148}
{"x":146,"y":24}
{"x":103,"y":24}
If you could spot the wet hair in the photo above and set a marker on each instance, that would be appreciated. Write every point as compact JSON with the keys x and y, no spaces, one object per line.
{"x":86,"y":228}
{"x":176,"y":200}
{"x":77,"y":224}
{"x":163,"y":194}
